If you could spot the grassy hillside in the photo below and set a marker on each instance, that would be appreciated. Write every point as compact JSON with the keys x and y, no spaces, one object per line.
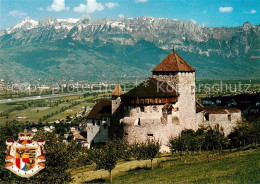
{"x":236,"y":167}
{"x":243,"y":167}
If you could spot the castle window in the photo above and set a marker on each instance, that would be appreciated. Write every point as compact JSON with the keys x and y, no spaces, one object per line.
{"x":93,"y":122}
{"x":154,"y":108}
{"x":192,"y":90}
{"x":98,"y":123}
{"x":206,"y":116}
{"x":229,"y":117}
{"x":139,"y":122}
{"x":150,"y":136}
{"x":142,"y":109}
{"x":105,"y":126}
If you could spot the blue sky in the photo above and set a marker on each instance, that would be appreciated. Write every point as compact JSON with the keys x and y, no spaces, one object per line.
{"x":212,"y":13}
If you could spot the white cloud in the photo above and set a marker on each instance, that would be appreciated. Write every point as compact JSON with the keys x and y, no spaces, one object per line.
{"x":193,"y":21}
{"x":141,"y":1}
{"x":40,"y":9}
{"x":17,"y":13}
{"x":90,"y":7}
{"x":121,"y":15}
{"x":111,"y":5}
{"x":251,"y":12}
{"x":58,"y":5}
{"x":225,"y":9}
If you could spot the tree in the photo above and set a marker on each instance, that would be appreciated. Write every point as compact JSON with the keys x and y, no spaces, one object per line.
{"x":107,"y":157}
{"x":188,"y":140}
{"x":58,"y":155}
{"x":68,"y":118}
{"x":176,"y":144}
{"x":214,"y":139}
{"x":152,"y":150}
{"x":148,"y":150}
{"x":244,"y":134}
{"x":200,"y":137}
{"x":8,"y":131}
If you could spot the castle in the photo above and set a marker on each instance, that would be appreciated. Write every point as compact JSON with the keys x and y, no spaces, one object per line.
{"x":158,"y":108}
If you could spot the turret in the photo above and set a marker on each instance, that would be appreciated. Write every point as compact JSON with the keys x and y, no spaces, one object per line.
{"x":177,"y":72}
{"x":116,"y":97}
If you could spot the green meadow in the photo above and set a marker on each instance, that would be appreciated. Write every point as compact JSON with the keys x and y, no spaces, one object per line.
{"x":227,"y":167}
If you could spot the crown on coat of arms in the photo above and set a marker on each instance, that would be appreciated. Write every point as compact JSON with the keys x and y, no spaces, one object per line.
{"x":25,"y":136}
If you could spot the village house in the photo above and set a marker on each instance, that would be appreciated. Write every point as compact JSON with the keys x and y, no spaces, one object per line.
{"x":159,"y":108}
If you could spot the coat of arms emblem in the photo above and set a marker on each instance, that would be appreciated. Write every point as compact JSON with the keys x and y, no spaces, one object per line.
{"x":25,"y":157}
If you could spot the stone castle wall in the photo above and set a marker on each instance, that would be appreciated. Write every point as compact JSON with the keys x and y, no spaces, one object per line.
{"x":150,"y":124}
{"x":97,"y":130}
{"x":222,"y":120}
{"x":184,"y":83}
{"x":150,"y":129}
{"x":149,"y":111}
{"x":115,"y":104}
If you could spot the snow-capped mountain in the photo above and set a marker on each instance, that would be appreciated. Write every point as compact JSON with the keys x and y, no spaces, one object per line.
{"x":201,"y":45}
{"x":25,"y":24}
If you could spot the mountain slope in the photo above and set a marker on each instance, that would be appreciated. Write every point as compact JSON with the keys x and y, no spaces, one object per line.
{"x":84,"y":49}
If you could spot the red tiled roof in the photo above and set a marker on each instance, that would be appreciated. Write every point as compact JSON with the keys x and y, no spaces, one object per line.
{"x":152,"y":88}
{"x":78,"y":136}
{"x":173,"y":63}
{"x":117,"y":91}
{"x":102,"y":109}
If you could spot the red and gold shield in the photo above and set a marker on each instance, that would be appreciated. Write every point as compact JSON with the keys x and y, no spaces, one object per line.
{"x":25,"y":157}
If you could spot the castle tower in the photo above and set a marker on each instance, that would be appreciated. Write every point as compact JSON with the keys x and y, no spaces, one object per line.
{"x":178,"y":73}
{"x":116,"y":99}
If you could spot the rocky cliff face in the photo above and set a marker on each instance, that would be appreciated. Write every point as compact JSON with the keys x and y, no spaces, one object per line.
{"x":126,"y":47}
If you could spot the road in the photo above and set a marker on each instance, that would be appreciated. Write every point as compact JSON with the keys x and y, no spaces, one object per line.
{"x":39,"y":97}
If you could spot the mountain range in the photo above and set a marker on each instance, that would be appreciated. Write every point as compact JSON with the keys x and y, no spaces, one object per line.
{"x":124,"y":49}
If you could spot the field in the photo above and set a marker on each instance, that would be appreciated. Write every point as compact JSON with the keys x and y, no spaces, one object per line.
{"x":235,"y":167}
{"x":36,"y":112}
